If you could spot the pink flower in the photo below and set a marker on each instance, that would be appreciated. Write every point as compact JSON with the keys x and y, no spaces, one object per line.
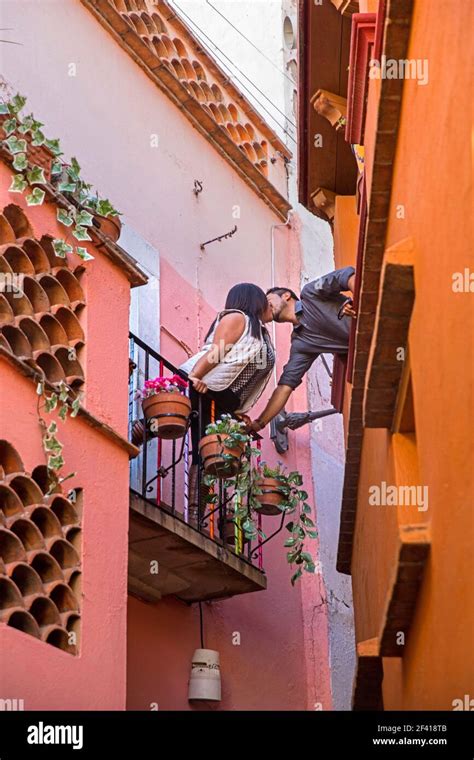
{"x":173,"y":383}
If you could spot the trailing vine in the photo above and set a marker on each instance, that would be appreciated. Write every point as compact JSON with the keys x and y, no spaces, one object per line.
{"x":78,"y":217}
{"x":52,"y":447}
{"x":246,"y":488}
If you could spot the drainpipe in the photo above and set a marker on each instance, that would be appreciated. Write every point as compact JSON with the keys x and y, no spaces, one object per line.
{"x":286,"y":223}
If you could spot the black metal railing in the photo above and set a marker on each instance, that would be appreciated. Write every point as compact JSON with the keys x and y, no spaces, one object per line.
{"x":169,"y":473}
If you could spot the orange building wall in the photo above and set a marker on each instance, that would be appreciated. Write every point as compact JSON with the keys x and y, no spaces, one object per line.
{"x":432,"y":186}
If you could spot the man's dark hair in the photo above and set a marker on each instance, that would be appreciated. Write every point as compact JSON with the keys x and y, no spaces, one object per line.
{"x":280,"y":291}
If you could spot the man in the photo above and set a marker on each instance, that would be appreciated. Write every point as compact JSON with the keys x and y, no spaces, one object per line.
{"x":321,"y":321}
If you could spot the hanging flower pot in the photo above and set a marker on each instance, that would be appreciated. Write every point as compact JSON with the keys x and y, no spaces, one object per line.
{"x":221,"y":455}
{"x":231,"y":532}
{"x":223,"y":446}
{"x":270,"y":496}
{"x":110,"y":226}
{"x":166,"y":407}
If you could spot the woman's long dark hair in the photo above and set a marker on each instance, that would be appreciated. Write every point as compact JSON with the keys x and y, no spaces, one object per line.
{"x":251,"y":300}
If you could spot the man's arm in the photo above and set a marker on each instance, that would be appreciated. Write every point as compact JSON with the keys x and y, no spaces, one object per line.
{"x":294,"y":370}
{"x":275,"y":404}
{"x":334,"y":282}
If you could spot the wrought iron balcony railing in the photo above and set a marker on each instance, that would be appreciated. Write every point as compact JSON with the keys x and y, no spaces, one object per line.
{"x":164,"y":475}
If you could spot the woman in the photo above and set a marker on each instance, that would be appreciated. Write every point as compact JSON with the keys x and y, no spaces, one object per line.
{"x":237,"y":358}
{"x":235,"y":363}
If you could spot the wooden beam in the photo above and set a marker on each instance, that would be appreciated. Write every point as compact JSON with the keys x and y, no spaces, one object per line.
{"x":367,"y":694}
{"x":389,"y":344}
{"x":400,"y":609}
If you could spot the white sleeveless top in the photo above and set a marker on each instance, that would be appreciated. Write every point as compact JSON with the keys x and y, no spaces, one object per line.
{"x":246,"y":349}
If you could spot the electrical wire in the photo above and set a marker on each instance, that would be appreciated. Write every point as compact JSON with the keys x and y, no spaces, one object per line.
{"x":206,"y":36}
{"x":233,"y":75}
{"x":250,"y":42}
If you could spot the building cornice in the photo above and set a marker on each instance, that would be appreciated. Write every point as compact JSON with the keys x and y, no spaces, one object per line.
{"x":229,"y":136}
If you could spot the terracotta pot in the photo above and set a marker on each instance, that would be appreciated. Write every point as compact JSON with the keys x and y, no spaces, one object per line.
{"x":271,"y":497}
{"x":110,"y":226}
{"x":170,"y":411}
{"x":230,"y":530}
{"x":213,"y":449}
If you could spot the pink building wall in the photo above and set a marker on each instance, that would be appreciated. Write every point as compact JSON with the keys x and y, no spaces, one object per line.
{"x":45,"y":677}
{"x":106,"y":115}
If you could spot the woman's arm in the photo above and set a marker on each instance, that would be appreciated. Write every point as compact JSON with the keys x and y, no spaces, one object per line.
{"x":227,"y":333}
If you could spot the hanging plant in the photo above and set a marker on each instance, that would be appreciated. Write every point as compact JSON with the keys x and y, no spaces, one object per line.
{"x":34,"y":156}
{"x":224,"y":446}
{"x":36,"y":161}
{"x":252,"y":484}
{"x":166,"y":406}
{"x":52,"y":447}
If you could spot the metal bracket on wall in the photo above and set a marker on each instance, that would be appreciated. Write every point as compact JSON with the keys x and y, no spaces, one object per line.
{"x":219,"y":238}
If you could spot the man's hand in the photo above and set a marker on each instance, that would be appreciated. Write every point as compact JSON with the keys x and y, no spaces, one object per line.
{"x":348,"y":309}
{"x":276,"y":402}
{"x":198,"y":384}
{"x":254,"y":426}
{"x":243,"y":418}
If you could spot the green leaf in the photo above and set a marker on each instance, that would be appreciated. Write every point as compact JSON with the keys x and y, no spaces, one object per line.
{"x":290,"y":542}
{"x":64,"y":391}
{"x":38,"y":137}
{"x":20,"y":162}
{"x":4,"y":109}
{"x":84,"y":218}
{"x":55,"y":463}
{"x":56,"y":167}
{"x":80,"y":233}
{"x":53,"y":428}
{"x":36,"y":198}
{"x":61,"y":248}
{"x":306,"y":508}
{"x":26,"y":124}
{"x":63,"y":412}
{"x":296,"y":575}
{"x":312,"y":533}
{"x":51,"y":402}
{"x":65,"y":217}
{"x":36,"y":176}
{"x":105,"y":208}
{"x":17,"y":103}
{"x":15,"y":145}
{"x":52,"y":444}
{"x":67,"y":187}
{"x":84,"y":254}
{"x":310,"y":567}
{"x":18,"y":185}
{"x":53,"y":146}
{"x":75,"y":406}
{"x":9,"y":126}
{"x":74,"y":169}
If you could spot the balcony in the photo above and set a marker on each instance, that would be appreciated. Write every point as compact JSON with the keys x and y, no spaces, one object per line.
{"x":175,"y":548}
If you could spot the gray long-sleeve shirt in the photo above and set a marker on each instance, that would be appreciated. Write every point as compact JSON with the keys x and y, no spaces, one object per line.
{"x":319,"y":330}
